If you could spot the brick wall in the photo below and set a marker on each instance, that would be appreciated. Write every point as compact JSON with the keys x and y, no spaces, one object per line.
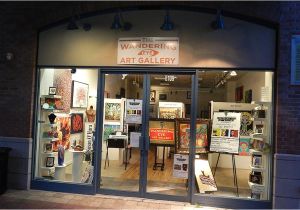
{"x":19,"y":24}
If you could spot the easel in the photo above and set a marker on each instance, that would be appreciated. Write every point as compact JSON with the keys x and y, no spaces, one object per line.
{"x":157,"y":164}
{"x":235,"y":182}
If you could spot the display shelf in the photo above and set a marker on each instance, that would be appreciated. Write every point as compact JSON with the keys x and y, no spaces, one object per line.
{"x":258,"y":136}
{"x":257,"y":168}
{"x":256,"y":187}
{"x":255,"y":152}
{"x":51,"y":96}
{"x":48,"y":124}
{"x":260,"y":119}
{"x":48,"y":168}
{"x":60,"y":166}
{"x":50,"y":139}
{"x":47,"y":153}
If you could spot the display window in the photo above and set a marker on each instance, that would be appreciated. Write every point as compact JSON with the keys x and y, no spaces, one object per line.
{"x":239,"y":105}
{"x":66,"y":118}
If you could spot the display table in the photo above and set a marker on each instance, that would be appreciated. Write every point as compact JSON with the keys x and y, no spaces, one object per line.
{"x":77,"y":165}
{"x":60,"y":172}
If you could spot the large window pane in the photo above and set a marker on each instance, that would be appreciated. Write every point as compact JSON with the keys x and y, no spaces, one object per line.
{"x":65,"y":124}
{"x":238,"y":163}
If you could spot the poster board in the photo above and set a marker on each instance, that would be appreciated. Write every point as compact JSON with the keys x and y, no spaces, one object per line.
{"x":180,"y":166}
{"x":204,"y":177}
{"x":170,"y":110}
{"x":225,"y":132}
{"x":183,"y":135}
{"x":133,"y":112}
{"x":162,"y":131}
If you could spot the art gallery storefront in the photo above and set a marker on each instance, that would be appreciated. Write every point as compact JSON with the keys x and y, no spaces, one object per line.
{"x":183,"y":114}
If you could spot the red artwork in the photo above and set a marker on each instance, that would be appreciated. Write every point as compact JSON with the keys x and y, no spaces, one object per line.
{"x":64,"y":131}
{"x":76,"y":123}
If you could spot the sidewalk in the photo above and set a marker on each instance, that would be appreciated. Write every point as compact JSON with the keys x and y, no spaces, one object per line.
{"x":36,"y":199}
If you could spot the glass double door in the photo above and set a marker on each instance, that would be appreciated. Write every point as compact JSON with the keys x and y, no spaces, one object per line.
{"x":144,"y":148}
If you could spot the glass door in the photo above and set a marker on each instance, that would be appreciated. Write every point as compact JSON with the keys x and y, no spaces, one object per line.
{"x":146,"y":135}
{"x":168,"y":126}
{"x":121,"y":132}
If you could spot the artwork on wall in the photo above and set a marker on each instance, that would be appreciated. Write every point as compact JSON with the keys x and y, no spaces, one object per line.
{"x":244,"y":146}
{"x":248,"y":96}
{"x":64,"y":131}
{"x":204,"y":177}
{"x":48,"y":147}
{"x":79,"y":94}
{"x":152,"y":96}
{"x":162,"y":96}
{"x":112,"y":111}
{"x":52,"y":91}
{"x":162,"y":131}
{"x":110,"y":129}
{"x":239,"y":94}
{"x":63,"y":82}
{"x":183,"y":136}
{"x":49,"y":161}
{"x":76,"y":123}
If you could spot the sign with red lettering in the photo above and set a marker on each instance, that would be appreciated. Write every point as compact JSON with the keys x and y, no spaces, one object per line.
{"x":162,"y":131}
{"x":148,"y":51}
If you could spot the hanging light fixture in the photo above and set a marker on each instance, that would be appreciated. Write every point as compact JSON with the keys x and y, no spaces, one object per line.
{"x":219,"y":22}
{"x":168,"y":25}
{"x":72,"y":24}
{"x":119,"y":23}
{"x":116,"y":23}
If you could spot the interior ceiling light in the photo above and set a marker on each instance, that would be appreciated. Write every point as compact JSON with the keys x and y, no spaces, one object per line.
{"x":219,"y":22}
{"x":233,"y":73}
{"x":72,"y":24}
{"x":170,"y":78}
{"x":168,"y":25}
{"x":124,"y":76}
{"x":119,"y":23}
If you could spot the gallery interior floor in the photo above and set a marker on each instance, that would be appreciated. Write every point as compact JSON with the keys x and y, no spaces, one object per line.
{"x":116,"y":177}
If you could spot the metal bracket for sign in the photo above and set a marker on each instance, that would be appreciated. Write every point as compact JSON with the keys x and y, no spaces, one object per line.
{"x":235,"y":182}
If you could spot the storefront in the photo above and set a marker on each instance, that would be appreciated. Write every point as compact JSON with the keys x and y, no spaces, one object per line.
{"x":184,"y":114}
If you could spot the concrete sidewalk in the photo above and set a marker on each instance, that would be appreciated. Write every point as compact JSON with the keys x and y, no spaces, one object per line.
{"x":36,"y":199}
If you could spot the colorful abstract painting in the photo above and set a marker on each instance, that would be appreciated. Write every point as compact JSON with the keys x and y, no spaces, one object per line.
{"x":64,"y":131}
{"x":113,"y":111}
{"x":76,"y":123}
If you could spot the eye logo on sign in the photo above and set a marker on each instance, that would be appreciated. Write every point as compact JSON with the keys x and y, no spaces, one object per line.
{"x":148,"y":52}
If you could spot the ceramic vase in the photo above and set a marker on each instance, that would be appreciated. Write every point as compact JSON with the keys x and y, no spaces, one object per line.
{"x":61,"y":155}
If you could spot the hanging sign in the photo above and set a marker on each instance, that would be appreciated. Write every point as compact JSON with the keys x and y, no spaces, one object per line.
{"x":225,"y":132}
{"x":134,"y":111}
{"x":148,"y":50}
{"x":180,"y":166}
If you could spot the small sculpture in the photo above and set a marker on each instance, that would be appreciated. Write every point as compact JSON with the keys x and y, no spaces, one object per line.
{"x":91,"y":114}
{"x":52,"y":117}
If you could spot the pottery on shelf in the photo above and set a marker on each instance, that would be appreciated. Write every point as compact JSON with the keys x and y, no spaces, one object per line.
{"x":52,"y":117}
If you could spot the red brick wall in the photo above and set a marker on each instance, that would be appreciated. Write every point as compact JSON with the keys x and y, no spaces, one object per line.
{"x":20,"y":21}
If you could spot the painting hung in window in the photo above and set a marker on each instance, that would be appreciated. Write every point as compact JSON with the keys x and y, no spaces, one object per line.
{"x":80,"y":95}
{"x":183,"y":136}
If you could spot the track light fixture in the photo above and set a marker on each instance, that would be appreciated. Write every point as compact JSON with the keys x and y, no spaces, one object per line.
{"x":73,"y":71}
{"x":119,"y":23}
{"x":219,"y":22}
{"x":72,"y":25}
{"x":168,"y":25}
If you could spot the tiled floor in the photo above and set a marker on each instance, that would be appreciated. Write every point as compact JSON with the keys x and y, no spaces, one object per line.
{"x":35,"y":199}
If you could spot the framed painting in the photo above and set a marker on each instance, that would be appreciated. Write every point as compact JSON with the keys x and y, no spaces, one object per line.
{"x":152,"y":96}
{"x":162,"y":131}
{"x":76,"y":123}
{"x":80,"y":94}
{"x":183,"y":136}
{"x":64,"y":131}
{"x":113,"y":111}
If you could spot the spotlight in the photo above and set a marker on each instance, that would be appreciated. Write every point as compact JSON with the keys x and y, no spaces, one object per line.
{"x":167,"y":25}
{"x":233,"y":73}
{"x":73,"y":71}
{"x":116,"y":23}
{"x":87,"y":26}
{"x":72,"y":24}
{"x":219,"y":22}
